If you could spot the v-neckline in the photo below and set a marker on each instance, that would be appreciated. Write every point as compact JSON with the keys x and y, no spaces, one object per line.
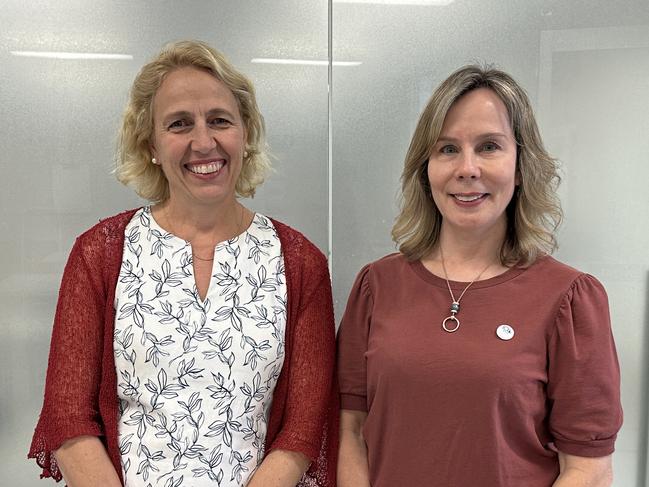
{"x":179,"y":243}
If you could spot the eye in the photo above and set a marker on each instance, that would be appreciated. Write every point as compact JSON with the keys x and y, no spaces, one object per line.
{"x":178,"y":125}
{"x":220,"y":122}
{"x":448,"y":149}
{"x":490,"y":147}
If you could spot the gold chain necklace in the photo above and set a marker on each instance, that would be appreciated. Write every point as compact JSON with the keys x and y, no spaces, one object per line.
{"x":194,"y":254}
{"x":455,"y":305}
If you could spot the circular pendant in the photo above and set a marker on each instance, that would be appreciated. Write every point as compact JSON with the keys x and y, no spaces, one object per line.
{"x":505,"y":332}
{"x":451,"y":318}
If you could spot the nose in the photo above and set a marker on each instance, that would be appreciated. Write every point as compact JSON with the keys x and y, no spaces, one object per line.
{"x":203,"y":140}
{"x":468,"y":167}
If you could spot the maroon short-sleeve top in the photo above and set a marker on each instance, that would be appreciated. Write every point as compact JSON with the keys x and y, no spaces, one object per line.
{"x":472,"y":408}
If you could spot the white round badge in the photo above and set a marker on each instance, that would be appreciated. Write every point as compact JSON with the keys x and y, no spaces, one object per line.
{"x":505,"y":332}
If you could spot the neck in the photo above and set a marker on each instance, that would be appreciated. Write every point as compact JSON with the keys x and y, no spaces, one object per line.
{"x":202,"y":225}
{"x":467,"y":253}
{"x":472,"y":244}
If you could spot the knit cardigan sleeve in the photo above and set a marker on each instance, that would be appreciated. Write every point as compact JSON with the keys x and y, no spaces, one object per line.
{"x":307,"y":389}
{"x":70,"y":406}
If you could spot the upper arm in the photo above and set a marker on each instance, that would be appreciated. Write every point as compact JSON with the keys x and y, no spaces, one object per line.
{"x":311,"y":367}
{"x":74,"y":367}
{"x":352,"y":344}
{"x":583,"y":373}
{"x":70,"y":407}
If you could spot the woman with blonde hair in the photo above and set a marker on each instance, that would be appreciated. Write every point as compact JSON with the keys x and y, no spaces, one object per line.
{"x":193,"y":341}
{"x":471,"y":356}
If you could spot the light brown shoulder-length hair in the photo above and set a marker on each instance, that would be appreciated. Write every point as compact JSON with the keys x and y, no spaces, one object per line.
{"x":533,"y":214}
{"x":133,"y":162}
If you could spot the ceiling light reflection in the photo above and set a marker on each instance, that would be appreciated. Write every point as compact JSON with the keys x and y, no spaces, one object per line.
{"x":303,"y":62}
{"x":438,"y":3}
{"x":72,"y":55}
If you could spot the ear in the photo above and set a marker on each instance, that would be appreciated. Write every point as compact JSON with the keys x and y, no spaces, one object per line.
{"x":517,"y":178}
{"x":152,"y":149}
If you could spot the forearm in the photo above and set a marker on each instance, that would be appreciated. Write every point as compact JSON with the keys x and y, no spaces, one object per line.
{"x":584,"y":472}
{"x":280,"y":468}
{"x":353,"y":470}
{"x":84,"y":462}
{"x":577,"y":478}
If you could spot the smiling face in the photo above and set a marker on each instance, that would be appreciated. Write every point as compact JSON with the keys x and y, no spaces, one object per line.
{"x":198,"y":138}
{"x":472,"y":167}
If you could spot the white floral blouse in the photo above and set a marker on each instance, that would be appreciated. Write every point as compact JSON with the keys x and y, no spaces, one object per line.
{"x":196,"y":377}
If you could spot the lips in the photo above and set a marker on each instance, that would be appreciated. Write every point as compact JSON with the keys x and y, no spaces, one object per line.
{"x":469,"y":197}
{"x":211,"y":167}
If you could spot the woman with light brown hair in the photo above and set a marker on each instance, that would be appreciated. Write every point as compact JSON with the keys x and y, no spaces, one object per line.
{"x":193,"y":341}
{"x":471,"y":356}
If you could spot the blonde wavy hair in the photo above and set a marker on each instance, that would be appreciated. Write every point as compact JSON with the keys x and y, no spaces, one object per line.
{"x":533,"y":214}
{"x":133,"y":162}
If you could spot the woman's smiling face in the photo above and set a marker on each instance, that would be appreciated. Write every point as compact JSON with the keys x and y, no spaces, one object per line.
{"x":198,"y":137}
{"x":472,"y":167}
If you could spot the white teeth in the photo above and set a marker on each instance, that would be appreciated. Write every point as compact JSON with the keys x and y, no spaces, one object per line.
{"x":210,"y":168}
{"x":467,"y":198}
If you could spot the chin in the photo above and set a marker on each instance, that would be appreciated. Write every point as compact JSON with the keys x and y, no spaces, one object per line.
{"x":476,"y":224}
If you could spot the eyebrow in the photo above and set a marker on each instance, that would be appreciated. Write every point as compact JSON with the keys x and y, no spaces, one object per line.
{"x":488,"y":135}
{"x":185,"y":114}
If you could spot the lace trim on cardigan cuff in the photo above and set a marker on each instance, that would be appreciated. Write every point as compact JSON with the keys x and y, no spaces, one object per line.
{"x":44,"y":458}
{"x":44,"y":444}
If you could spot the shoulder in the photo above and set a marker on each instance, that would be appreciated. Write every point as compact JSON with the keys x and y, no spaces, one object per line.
{"x":391,"y":266}
{"x":550,"y":264}
{"x":97,"y":252}
{"x":108,"y":228}
{"x":297,"y":248}
{"x":105,"y":238}
{"x":575,"y":285}
{"x":389,"y":262}
{"x":549,"y":270}
{"x":383,"y":273}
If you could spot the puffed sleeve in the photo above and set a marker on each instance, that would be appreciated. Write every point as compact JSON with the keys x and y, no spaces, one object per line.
{"x":70,"y":406}
{"x":352,"y":344}
{"x":584,"y":375}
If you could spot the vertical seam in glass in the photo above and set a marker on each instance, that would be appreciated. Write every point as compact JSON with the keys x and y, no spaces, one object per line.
{"x":330,"y":136}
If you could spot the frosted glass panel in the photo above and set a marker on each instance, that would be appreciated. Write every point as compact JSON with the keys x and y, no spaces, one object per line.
{"x":585,"y":66}
{"x":607,"y":210}
{"x":56,"y":150}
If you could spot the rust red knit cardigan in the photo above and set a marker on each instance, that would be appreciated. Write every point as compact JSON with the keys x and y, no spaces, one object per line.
{"x":81,"y":384}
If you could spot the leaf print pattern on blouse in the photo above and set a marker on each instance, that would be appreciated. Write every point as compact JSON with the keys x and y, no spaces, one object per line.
{"x":196,"y":377}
